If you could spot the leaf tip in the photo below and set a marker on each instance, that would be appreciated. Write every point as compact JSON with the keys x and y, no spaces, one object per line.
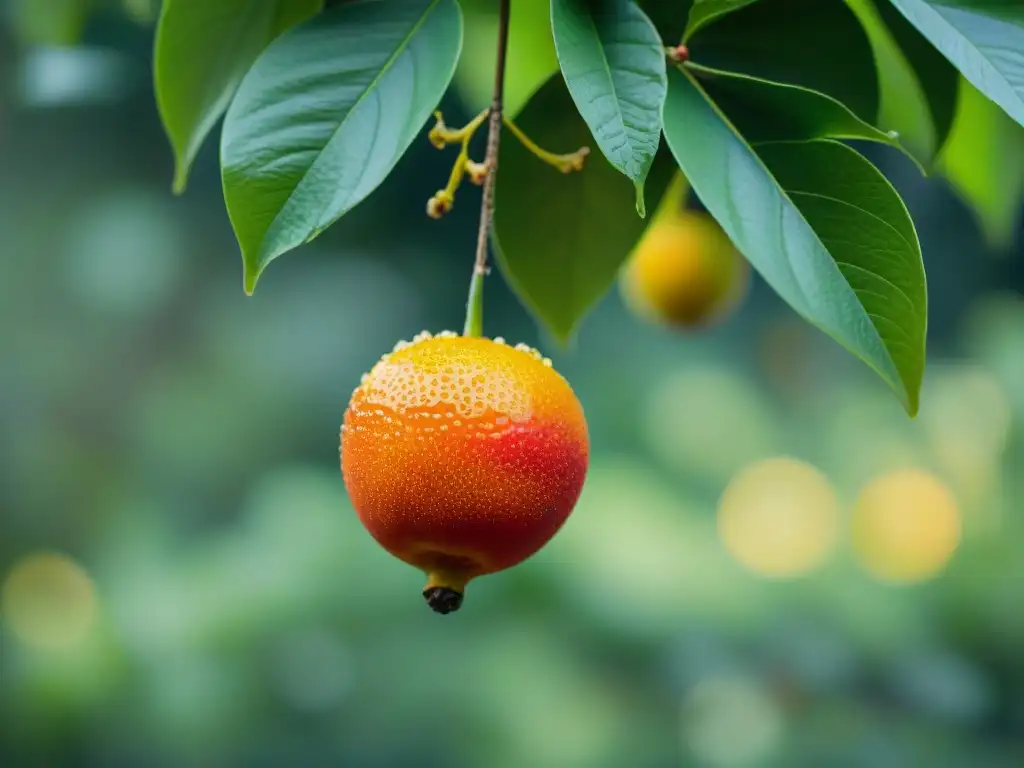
{"x":562,"y":334}
{"x":641,"y":206}
{"x":912,"y":404}
{"x":180,"y":181}
{"x":250,"y":277}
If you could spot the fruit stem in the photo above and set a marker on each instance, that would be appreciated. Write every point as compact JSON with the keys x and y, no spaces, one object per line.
{"x":475,"y":304}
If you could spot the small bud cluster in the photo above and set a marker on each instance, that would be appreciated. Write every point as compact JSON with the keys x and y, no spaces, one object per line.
{"x":441,"y":136}
{"x":575,"y":161}
{"x":440,"y":133}
{"x":678,"y":54}
{"x":440,"y":204}
{"x":477,"y":172}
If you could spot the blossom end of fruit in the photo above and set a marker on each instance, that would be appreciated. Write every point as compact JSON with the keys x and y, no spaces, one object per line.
{"x":443,"y":600}
{"x":444,"y":590}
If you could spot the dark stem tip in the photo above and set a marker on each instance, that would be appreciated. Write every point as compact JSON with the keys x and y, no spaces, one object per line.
{"x":443,"y":599}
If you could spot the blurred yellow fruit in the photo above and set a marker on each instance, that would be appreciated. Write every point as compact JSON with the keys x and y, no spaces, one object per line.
{"x":49,"y":601}
{"x":779,"y":517}
{"x":906,"y":526}
{"x":685,"y":272}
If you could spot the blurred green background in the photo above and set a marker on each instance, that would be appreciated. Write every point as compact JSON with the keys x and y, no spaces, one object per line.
{"x":770,"y":565}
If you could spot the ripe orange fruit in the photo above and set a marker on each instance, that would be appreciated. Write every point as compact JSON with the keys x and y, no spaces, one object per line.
{"x":684,"y":272}
{"x":463,"y":456}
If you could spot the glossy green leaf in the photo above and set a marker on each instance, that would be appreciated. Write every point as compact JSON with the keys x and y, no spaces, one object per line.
{"x":984,"y":161}
{"x":938,"y":78}
{"x":917,"y":85}
{"x":530,"y":59}
{"x":201,"y":53}
{"x":765,"y":111}
{"x":325,"y":114}
{"x":49,"y":22}
{"x":561,"y":238}
{"x":614,"y":66}
{"x":703,"y":12}
{"x":818,"y":44}
{"x":820,"y":224}
{"x":984,"y":39}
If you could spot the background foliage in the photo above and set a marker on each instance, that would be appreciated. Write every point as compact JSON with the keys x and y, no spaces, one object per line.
{"x":215,"y":601}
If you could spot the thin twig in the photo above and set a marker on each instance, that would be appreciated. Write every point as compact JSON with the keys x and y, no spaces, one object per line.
{"x":493,"y":141}
{"x":474,"y":309}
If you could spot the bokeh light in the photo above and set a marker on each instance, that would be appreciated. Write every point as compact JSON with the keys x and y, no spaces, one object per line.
{"x":994,"y":333}
{"x":730,"y":721}
{"x":943,"y":683}
{"x":787,"y":352}
{"x":313,"y":670}
{"x":124,"y":252}
{"x":906,"y":526}
{"x":642,"y":557}
{"x":967,"y":419}
{"x":707,"y":421}
{"x":779,"y":517}
{"x":49,"y":601}
{"x":60,"y":77}
{"x":537,"y":677}
{"x":864,"y":433}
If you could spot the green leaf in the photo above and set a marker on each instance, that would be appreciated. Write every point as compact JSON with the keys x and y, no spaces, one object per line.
{"x":703,"y":12}
{"x":201,"y":53}
{"x":938,"y":78}
{"x":530,"y":59}
{"x":49,"y":22}
{"x":917,"y":85}
{"x":764,"y":111}
{"x":325,"y":114}
{"x":614,"y":66}
{"x":818,"y":44}
{"x":561,"y":238}
{"x":984,"y":39}
{"x":820,"y":224}
{"x":984,"y":161}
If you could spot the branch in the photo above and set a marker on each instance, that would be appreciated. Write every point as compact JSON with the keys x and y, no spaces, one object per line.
{"x":474,"y":308}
